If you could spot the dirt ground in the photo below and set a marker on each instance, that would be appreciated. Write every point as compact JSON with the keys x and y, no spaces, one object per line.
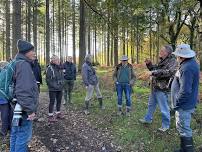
{"x":72,"y":134}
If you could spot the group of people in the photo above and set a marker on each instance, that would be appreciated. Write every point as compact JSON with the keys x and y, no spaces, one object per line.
{"x":175,"y":79}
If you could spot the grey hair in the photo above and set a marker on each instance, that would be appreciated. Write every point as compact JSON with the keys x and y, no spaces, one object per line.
{"x":169,"y":49}
{"x":88,"y":57}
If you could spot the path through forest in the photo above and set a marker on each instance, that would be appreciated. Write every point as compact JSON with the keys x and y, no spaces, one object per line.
{"x":74,"y":133}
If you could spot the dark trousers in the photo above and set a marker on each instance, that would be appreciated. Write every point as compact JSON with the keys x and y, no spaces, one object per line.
{"x":55,"y":96}
{"x":6,"y":117}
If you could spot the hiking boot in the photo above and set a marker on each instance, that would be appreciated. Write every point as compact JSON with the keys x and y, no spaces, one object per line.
{"x":60,"y":115}
{"x":128,"y":111}
{"x":101,"y":104}
{"x":51,"y":119}
{"x":86,"y":112}
{"x":143,"y":121}
{"x":119,"y":113}
{"x":163,"y":129}
{"x":64,"y":102}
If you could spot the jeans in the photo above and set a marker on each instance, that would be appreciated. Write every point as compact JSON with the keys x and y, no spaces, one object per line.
{"x":6,"y":116}
{"x":20,"y":136}
{"x":183,"y":121}
{"x":160,"y":98}
{"x":89,"y":93}
{"x":68,"y":87}
{"x":55,"y":95}
{"x":126,"y":88}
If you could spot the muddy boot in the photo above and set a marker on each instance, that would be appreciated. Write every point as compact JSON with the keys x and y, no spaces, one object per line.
{"x":59,"y":115}
{"x":70,"y":98}
{"x":101,"y":104}
{"x":51,"y":119}
{"x":128,"y":111}
{"x":86,"y":111}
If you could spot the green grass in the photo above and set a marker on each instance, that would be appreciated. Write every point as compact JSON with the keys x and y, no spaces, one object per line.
{"x":127,"y":131}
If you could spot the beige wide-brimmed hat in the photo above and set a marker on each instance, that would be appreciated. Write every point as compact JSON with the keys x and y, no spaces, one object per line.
{"x":184,"y":51}
{"x":124,"y":58}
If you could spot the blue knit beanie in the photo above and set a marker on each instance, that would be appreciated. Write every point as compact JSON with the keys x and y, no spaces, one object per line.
{"x":24,"y":46}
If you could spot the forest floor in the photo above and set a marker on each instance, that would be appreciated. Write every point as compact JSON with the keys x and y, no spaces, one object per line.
{"x":103,"y":130}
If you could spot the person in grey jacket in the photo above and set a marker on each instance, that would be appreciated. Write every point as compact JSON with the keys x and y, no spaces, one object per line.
{"x":26,"y":93}
{"x":55,"y":82}
{"x":184,"y":92}
{"x":91,"y":82}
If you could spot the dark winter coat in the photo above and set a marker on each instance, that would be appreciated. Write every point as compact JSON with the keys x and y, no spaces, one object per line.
{"x":185,"y":85}
{"x":54,"y":77}
{"x":26,"y":89}
{"x":37,"y":71}
{"x":69,"y":71}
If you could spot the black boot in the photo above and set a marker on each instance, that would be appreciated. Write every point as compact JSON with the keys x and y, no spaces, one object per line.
{"x":86,"y":111}
{"x":187,"y":144}
{"x":101,"y":103}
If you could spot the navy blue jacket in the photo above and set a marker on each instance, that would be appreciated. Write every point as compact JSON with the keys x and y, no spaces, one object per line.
{"x":37,"y":71}
{"x":69,"y":71}
{"x":185,"y":86}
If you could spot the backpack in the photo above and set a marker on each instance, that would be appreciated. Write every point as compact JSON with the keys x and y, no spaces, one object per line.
{"x":7,"y":81}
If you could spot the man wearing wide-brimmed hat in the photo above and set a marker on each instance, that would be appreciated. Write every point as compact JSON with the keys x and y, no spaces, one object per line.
{"x":184,"y":92}
{"x":124,"y":77}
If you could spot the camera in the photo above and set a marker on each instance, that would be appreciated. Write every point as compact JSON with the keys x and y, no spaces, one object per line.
{"x":17,"y":115}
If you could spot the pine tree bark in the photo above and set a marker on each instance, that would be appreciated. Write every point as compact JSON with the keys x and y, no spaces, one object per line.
{"x":82,"y":33}
{"x":8,"y":30}
{"x":73,"y":31}
{"x":35,"y":15}
{"x":16,"y":28}
{"x":47,"y":33}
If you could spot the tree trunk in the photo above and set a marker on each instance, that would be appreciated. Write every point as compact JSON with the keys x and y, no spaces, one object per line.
{"x":108,"y":44}
{"x":137,"y":40}
{"x":124,"y":40}
{"x":16,"y":28}
{"x":35,"y":14}
{"x":95,"y":49}
{"x":53,"y":27}
{"x":116,"y":44}
{"x":8,"y":30}
{"x":73,"y":32}
{"x":47,"y":33}
{"x":82,"y":33}
{"x":28,"y":20}
{"x":59,"y":30}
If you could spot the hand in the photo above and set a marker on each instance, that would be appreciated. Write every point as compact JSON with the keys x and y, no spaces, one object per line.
{"x":147,"y":61}
{"x":149,"y":73}
{"x":31,"y":116}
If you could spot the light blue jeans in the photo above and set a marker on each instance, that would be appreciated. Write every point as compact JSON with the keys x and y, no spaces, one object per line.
{"x":20,"y":136}
{"x":160,"y":98}
{"x":183,"y":121}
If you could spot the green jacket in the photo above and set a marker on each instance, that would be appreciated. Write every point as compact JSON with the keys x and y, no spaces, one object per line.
{"x":117,"y":71}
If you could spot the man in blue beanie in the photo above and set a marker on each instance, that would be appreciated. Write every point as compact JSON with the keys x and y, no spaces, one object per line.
{"x":26,"y":94}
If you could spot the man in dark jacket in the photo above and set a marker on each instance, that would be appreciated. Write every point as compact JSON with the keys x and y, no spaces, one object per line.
{"x":160,"y":75}
{"x":37,"y":72}
{"x":184,"y":92}
{"x":69,"y":70}
{"x":55,"y":82}
{"x":26,"y":93}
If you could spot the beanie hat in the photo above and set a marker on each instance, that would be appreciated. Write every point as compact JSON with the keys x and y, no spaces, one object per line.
{"x":169,"y":49}
{"x":24,"y":46}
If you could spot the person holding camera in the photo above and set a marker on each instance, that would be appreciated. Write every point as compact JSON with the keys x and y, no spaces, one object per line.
{"x":26,"y":97}
{"x":160,"y":75}
{"x":55,"y":82}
